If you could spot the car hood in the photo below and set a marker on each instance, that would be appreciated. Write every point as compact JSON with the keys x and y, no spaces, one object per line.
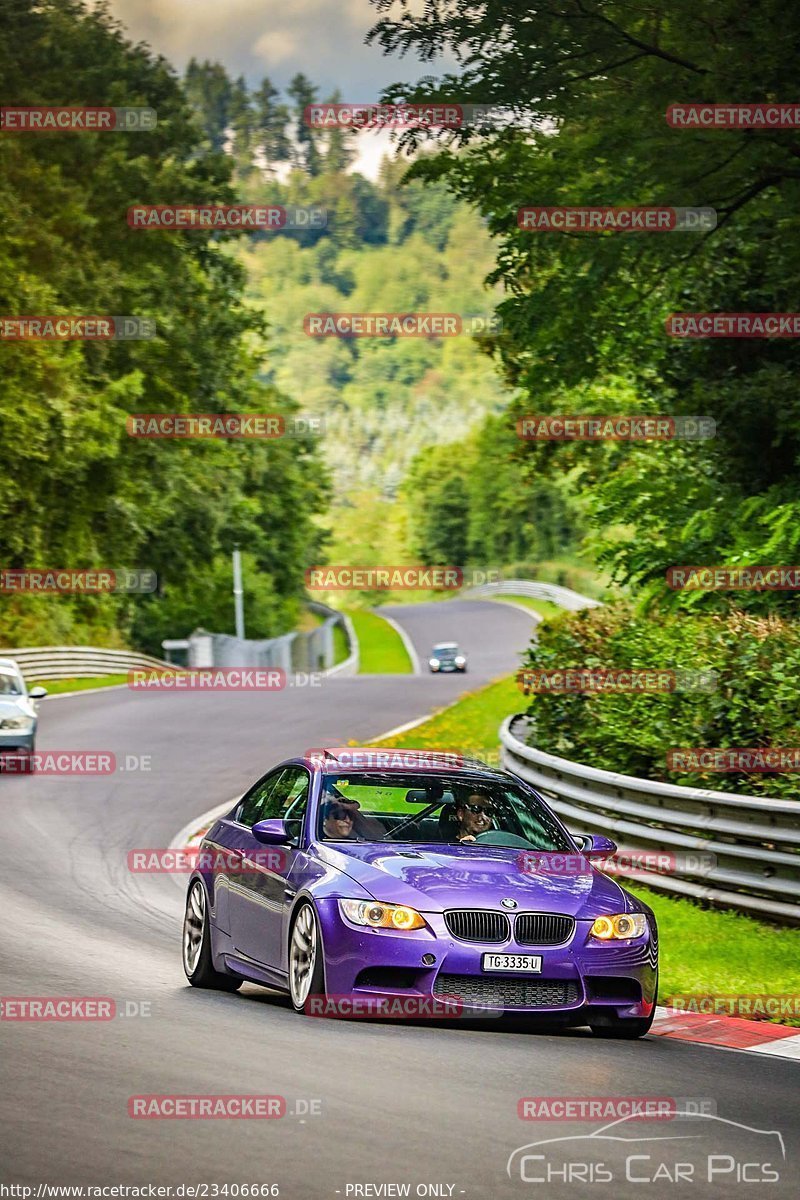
{"x":435,"y":879}
{"x":16,"y":706}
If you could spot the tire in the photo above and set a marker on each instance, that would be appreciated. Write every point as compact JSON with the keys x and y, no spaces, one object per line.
{"x":306,"y":961}
{"x":196,"y":945}
{"x":25,"y":758}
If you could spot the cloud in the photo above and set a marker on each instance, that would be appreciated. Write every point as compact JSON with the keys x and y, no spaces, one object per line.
{"x":322,"y":38}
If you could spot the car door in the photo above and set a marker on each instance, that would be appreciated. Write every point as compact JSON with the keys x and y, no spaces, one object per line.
{"x":226,"y":841}
{"x":261,"y":892}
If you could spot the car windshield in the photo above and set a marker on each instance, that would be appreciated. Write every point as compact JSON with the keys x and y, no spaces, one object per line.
{"x":435,"y":808}
{"x":10,"y":685}
{"x":445,"y":651}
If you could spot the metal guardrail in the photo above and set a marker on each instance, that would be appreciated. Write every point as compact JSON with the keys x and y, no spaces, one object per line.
{"x":349,"y":665}
{"x":750,"y":845}
{"x":563,"y":597}
{"x":77,"y":662}
{"x":310,"y":652}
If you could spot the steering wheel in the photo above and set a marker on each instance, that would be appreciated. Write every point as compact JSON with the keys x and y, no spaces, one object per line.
{"x":499,"y":837}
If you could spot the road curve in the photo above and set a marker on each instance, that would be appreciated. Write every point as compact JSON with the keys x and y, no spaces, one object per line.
{"x":418,"y":1104}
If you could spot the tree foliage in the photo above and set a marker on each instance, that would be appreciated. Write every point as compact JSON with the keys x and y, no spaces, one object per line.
{"x":75,"y":490}
{"x":585,"y":85}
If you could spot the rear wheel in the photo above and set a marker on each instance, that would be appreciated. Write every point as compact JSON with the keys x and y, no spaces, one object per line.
{"x":197,"y":962}
{"x":306,"y":966}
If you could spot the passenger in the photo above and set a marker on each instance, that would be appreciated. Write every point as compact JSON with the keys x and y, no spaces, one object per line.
{"x":475,"y":815}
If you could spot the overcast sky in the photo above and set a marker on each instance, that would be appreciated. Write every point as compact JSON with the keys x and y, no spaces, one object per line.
{"x":322,"y":38}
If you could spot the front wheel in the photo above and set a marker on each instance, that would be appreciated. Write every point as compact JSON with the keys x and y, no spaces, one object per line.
{"x":306,"y":967}
{"x":197,"y":962}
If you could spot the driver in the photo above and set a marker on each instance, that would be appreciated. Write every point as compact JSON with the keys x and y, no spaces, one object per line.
{"x":338,"y":820}
{"x":475,"y":815}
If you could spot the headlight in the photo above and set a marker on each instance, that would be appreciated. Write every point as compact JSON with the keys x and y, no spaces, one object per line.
{"x":623,"y":925}
{"x":460,"y":660}
{"x":24,"y":723}
{"x":380,"y":916}
{"x":434,"y":662}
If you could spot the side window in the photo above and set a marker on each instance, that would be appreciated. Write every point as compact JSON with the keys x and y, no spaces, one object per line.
{"x":290,"y":798}
{"x":282,"y":795}
{"x":251,"y":808}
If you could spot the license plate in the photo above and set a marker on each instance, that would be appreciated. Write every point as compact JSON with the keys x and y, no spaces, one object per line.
{"x":512,"y":962}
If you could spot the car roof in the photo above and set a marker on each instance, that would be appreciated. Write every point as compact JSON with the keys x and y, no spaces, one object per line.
{"x":446,"y":646}
{"x":8,"y":664}
{"x":387,"y":759}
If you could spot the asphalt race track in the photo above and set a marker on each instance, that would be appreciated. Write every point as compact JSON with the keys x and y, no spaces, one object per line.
{"x":417,"y":1104}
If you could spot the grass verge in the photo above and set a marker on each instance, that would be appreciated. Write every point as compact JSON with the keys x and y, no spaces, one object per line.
{"x":56,"y":686}
{"x":381,"y":648}
{"x":341,"y":650}
{"x":706,"y":952}
{"x":716,"y":952}
{"x":469,"y":726}
{"x":544,"y":608}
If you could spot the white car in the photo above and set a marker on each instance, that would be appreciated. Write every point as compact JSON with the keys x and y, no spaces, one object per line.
{"x":18,"y":714}
{"x":446,"y":656}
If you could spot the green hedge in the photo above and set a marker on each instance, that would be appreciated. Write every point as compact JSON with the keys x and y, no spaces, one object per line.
{"x":757,"y":660}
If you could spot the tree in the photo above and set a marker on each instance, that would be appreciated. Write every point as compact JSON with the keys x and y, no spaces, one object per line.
{"x":75,"y":489}
{"x":585,"y":86}
{"x":306,"y":137}
{"x":210,"y":92}
{"x":271,"y":120}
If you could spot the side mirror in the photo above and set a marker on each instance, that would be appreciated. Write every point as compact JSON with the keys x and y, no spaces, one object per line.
{"x":37,"y":693}
{"x":594,"y":845}
{"x":271,"y":832}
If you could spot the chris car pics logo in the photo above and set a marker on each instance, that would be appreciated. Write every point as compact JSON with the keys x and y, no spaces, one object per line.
{"x":693,"y":1147}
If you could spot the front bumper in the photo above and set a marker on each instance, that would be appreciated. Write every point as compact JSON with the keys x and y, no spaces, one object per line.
{"x":12,"y":740}
{"x":579,"y":980}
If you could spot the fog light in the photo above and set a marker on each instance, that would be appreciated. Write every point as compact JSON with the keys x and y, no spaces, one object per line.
{"x":428,"y":960}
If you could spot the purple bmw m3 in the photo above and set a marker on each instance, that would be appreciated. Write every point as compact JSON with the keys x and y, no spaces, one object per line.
{"x":417,"y":876}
